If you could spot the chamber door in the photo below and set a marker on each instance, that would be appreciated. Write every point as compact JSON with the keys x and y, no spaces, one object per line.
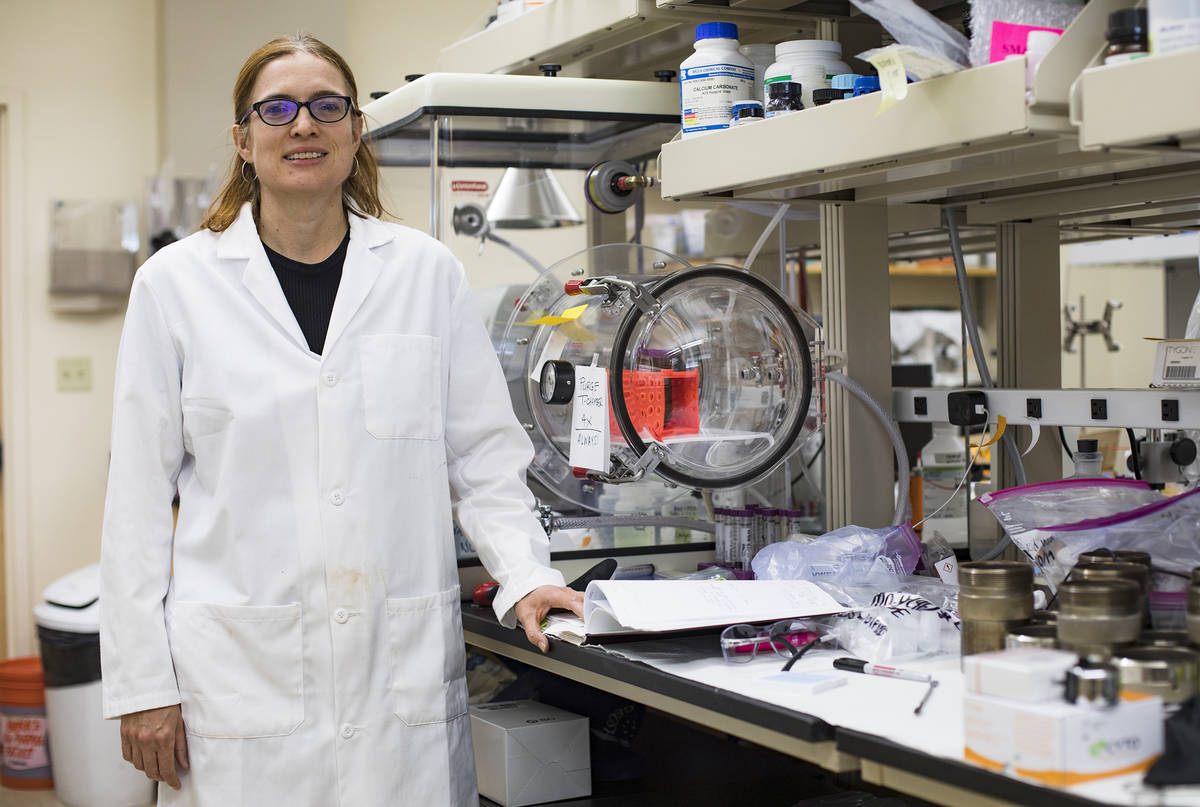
{"x":719,"y":375}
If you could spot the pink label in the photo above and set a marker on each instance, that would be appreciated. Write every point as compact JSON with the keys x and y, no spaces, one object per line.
{"x":25,"y":743}
{"x":1009,"y":39}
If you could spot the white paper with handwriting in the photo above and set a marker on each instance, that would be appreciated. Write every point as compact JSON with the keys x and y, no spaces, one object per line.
{"x":589,"y":419}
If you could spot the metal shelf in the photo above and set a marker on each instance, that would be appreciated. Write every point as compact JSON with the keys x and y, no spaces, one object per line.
{"x":623,"y":38}
{"x":974,"y":139}
{"x":1150,"y":101}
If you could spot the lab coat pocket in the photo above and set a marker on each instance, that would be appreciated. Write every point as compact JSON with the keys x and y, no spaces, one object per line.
{"x":402,"y":386}
{"x":428,"y":658}
{"x":204,"y":431}
{"x":239,"y":668}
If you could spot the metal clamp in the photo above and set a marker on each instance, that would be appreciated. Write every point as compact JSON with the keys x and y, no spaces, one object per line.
{"x":646,"y":464}
{"x":612,"y":287}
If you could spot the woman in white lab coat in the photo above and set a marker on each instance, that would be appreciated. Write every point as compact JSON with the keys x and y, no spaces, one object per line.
{"x":297,"y":638}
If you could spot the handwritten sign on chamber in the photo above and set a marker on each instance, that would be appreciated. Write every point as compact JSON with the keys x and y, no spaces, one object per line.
{"x":589,"y":419}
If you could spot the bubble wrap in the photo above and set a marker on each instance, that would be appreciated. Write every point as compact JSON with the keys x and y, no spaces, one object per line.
{"x":1042,"y":13}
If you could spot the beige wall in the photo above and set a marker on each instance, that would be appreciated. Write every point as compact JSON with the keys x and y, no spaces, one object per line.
{"x":1140,"y":288}
{"x":203,"y":47}
{"x":86,"y":76}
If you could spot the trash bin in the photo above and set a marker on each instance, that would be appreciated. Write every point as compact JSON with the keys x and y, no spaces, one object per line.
{"x":85,"y":748}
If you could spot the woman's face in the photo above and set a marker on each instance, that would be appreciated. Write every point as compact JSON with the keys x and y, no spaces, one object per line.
{"x":306,"y":156}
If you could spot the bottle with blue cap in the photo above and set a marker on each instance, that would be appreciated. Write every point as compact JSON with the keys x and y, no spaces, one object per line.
{"x":712,"y":78}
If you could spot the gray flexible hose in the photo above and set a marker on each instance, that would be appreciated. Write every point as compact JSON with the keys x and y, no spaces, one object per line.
{"x":889,"y":425}
{"x":583,"y":522}
{"x":529,"y":259}
{"x":985,"y":376}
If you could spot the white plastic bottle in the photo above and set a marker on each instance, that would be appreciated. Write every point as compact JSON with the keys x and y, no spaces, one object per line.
{"x":808,"y":62}
{"x":712,"y":78}
{"x":762,"y":57}
{"x":943,"y":464}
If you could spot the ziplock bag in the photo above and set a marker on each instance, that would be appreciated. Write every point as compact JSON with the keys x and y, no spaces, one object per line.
{"x":1024,"y":511}
{"x":1169,"y":530}
{"x":918,"y":617}
{"x":847,"y":556}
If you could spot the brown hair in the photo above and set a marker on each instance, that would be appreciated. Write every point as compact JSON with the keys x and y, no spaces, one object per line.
{"x":360,"y":191}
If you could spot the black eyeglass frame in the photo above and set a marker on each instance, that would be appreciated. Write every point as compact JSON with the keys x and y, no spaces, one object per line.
{"x":299,"y":105}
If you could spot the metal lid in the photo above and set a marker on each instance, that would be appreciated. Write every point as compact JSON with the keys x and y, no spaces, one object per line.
{"x":1114,"y":571}
{"x":1170,"y":672}
{"x":1163,"y":638}
{"x":1105,"y":555}
{"x":995,"y":575}
{"x":1115,"y":597}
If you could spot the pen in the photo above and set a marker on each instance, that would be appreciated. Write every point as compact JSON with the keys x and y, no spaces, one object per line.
{"x":867,"y":668}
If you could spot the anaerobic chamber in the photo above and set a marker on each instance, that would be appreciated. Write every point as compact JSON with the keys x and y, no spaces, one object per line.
{"x":708,"y":367}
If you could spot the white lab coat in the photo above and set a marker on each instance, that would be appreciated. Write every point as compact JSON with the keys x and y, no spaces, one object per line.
{"x":306,"y":613}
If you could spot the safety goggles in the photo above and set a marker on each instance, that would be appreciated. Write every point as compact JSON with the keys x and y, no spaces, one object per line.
{"x":788,"y":639}
{"x":282,"y":111}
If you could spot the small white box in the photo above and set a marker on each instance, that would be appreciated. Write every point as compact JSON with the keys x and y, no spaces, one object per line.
{"x":1025,"y":673}
{"x":529,"y":753}
{"x":1060,"y":744}
{"x":1176,"y":363}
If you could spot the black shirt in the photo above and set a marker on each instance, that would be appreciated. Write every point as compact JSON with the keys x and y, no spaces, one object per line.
{"x":310,"y":289}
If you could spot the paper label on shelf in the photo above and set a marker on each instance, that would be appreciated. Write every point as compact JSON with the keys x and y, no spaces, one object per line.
{"x":893,"y":80}
{"x":589,"y":419}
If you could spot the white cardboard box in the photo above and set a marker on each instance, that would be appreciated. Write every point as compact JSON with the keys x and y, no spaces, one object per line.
{"x":1024,"y":673}
{"x":529,"y":753}
{"x":1057,"y":743}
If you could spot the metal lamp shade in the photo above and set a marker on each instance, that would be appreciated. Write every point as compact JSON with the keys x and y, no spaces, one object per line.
{"x":530,"y":199}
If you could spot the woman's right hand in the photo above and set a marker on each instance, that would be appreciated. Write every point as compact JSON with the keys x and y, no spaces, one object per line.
{"x":153,"y":740}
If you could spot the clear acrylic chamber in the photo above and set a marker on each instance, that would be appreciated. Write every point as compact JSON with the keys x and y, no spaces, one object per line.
{"x":708,"y":367}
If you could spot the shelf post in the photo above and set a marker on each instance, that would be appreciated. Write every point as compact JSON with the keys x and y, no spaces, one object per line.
{"x":1029,"y":333}
{"x":856,"y":323}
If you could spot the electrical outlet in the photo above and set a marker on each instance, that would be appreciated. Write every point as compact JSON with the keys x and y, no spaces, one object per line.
{"x":1170,"y":409}
{"x":1033,"y":407}
{"x":1099,"y":409}
{"x":73,"y":373}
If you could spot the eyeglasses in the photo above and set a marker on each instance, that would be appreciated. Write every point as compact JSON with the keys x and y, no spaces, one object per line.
{"x":282,"y":111}
{"x":789,"y":639}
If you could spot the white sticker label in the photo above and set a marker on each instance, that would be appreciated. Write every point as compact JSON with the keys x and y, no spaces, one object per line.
{"x":589,"y":419}
{"x":553,"y":351}
{"x":947,"y":569}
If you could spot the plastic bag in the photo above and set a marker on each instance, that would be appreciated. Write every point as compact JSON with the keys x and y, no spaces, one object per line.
{"x":1169,"y":530}
{"x":909,"y":24}
{"x":918,"y":616}
{"x":1024,"y":511}
{"x":847,"y":556}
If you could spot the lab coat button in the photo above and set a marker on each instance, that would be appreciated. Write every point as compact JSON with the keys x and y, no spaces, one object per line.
{"x":337,"y":498}
{"x":347,"y":731}
{"x":341,"y":616}
{"x":330,"y":379}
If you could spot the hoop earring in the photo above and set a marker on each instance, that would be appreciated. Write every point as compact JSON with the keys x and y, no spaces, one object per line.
{"x":242,"y":170}
{"x":354,"y":173}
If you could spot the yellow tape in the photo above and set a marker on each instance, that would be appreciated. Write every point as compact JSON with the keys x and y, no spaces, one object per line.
{"x":1001,"y":424}
{"x":566,"y":316}
{"x":893,"y":79}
